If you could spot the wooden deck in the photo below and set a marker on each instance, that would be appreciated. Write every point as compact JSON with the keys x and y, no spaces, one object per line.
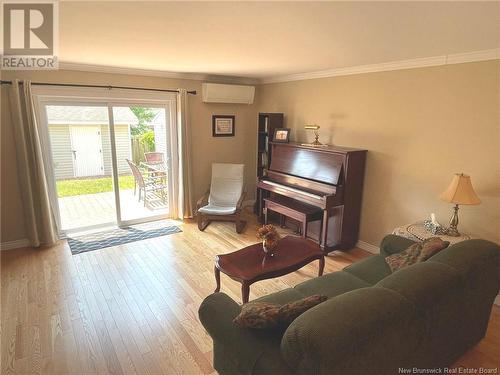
{"x":133,"y":308}
{"x":91,"y":209}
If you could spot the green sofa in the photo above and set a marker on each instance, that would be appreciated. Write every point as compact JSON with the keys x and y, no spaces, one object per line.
{"x":374,"y":322}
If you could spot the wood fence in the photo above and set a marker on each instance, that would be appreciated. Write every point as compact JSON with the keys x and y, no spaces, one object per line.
{"x":139,"y":147}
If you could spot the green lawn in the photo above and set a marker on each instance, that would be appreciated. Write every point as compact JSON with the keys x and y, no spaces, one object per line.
{"x":67,"y":188}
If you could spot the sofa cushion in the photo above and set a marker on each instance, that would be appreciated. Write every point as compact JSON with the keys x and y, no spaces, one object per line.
{"x":331,"y":285}
{"x":424,"y":284}
{"x":437,"y":293}
{"x":467,"y":257}
{"x":283,"y":296}
{"x":371,"y":270}
{"x":352,"y":334}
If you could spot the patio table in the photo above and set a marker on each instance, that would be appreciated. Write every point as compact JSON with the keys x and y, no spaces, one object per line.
{"x":154,"y":167}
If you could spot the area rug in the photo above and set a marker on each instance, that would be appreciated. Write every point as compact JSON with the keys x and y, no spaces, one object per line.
{"x":120,"y":236}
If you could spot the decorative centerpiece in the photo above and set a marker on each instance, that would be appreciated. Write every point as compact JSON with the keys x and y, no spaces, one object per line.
{"x":433,"y":226}
{"x":270,"y":238}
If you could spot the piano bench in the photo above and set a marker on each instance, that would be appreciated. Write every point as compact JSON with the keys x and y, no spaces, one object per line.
{"x":302,"y":212}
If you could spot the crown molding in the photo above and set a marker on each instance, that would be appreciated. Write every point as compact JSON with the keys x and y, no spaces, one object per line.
{"x":65,"y":65}
{"x":457,"y":58}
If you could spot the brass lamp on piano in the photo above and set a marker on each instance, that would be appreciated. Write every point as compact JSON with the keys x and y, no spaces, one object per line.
{"x":328,"y":178}
{"x":316,"y":142}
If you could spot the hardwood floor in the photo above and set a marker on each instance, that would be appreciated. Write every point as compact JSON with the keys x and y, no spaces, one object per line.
{"x":133,"y":308}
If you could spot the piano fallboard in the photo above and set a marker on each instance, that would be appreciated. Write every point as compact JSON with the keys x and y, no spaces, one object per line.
{"x":301,"y":195}
{"x":311,"y":164}
{"x":301,"y":183}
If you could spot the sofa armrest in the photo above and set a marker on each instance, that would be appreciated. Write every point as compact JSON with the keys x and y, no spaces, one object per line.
{"x":392,"y":244}
{"x":243,"y":347}
{"x":216,"y":313}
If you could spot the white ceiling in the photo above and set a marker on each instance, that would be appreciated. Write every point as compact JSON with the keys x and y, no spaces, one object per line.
{"x":263,"y":40}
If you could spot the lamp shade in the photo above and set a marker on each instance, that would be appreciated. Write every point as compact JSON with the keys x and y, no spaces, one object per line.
{"x":460,"y":191}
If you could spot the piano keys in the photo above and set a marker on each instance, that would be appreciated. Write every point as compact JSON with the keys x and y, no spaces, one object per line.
{"x":328,"y":178}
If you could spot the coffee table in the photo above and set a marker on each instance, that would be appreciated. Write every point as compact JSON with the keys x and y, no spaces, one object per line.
{"x":250,"y":264}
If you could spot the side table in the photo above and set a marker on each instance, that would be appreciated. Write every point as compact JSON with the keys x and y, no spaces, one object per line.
{"x":417,"y":232}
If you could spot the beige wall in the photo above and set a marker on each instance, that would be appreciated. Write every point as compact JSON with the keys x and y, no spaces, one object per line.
{"x":420,"y":126}
{"x":206,"y":149}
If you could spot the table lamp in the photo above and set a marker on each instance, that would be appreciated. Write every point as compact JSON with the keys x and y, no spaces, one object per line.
{"x":460,"y":191}
{"x":316,"y":142}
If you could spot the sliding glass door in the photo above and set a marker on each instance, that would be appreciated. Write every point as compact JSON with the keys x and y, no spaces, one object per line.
{"x":80,"y":147}
{"x":108,"y":161}
{"x":142,"y":163}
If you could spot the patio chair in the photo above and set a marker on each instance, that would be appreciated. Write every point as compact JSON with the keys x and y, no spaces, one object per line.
{"x":223,"y":201}
{"x":154,"y":157}
{"x":147,"y":183}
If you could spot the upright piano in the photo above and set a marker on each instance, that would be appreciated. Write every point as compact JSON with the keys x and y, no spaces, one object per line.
{"x":329,"y":178}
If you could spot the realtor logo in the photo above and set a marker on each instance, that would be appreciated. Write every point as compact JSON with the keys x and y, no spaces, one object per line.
{"x":30,"y":35}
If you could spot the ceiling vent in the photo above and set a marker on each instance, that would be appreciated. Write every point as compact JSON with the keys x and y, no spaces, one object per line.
{"x":235,"y":94}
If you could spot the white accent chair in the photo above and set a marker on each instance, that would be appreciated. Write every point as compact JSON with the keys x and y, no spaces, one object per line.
{"x":223,"y":201}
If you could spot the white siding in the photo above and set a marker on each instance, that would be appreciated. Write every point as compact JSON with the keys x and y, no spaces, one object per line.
{"x":123,"y":148}
{"x":160,"y":131}
{"x":63,"y":158}
{"x":106,"y":150}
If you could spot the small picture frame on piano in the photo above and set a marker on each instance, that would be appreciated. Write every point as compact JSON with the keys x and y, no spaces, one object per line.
{"x":281,"y":135}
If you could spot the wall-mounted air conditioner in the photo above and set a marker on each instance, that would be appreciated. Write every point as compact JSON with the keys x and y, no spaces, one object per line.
{"x":236,"y":94}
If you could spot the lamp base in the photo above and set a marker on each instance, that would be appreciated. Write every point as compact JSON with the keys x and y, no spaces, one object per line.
{"x":452,"y":232}
{"x":453,"y":228}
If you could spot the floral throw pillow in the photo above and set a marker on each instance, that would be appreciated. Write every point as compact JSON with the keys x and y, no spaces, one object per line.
{"x":265,"y":315}
{"x":416,"y":253}
{"x":260,"y":315}
{"x":289,"y":312}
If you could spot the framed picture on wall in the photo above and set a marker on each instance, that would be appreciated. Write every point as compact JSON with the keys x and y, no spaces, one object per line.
{"x":281,"y":135}
{"x":223,"y":125}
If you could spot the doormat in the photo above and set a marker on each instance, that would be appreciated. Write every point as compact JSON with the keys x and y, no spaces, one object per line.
{"x":120,"y":236}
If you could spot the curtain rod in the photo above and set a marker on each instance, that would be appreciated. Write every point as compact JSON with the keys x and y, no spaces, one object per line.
{"x":109,"y":87}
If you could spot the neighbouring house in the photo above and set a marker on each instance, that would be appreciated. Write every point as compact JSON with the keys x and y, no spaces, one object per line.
{"x":80,"y":140}
{"x":159,"y":125}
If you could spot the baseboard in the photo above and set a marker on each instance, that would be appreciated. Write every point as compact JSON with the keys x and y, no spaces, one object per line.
{"x":497,"y":300}
{"x":368,"y":247}
{"x":10,"y":245}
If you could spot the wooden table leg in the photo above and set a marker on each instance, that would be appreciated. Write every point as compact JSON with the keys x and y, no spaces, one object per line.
{"x":321,"y":266}
{"x":217,"y":279}
{"x":245,"y":292}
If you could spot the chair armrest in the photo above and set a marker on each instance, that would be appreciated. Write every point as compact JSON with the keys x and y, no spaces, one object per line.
{"x":392,"y":244}
{"x":200,"y":202}
{"x":242,"y":345}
